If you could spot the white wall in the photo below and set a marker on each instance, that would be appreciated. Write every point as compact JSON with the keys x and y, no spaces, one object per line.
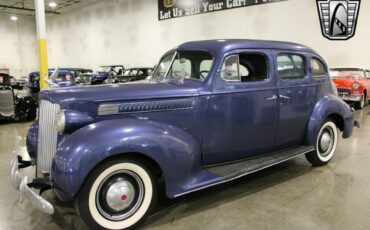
{"x":128,"y":32}
{"x":18,"y":51}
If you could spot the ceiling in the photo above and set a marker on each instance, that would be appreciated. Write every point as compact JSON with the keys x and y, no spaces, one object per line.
{"x":27,"y":7}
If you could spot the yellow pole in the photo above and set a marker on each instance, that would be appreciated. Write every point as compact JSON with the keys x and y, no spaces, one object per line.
{"x":42,"y":43}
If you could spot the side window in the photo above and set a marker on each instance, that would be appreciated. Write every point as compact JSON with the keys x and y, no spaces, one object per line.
{"x":181,"y":67}
{"x":318,"y":68}
{"x":245,"y":67}
{"x":205,"y":65}
{"x":140,"y":73}
{"x":368,"y":74}
{"x":230,"y":70}
{"x":291,"y":66}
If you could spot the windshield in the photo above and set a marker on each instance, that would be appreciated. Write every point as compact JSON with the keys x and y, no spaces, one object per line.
{"x":185,"y":65}
{"x":64,"y":78}
{"x":130,"y":72}
{"x":347,"y":74}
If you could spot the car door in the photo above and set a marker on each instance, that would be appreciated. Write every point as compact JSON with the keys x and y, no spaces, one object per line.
{"x":297,"y":95}
{"x":242,"y":114}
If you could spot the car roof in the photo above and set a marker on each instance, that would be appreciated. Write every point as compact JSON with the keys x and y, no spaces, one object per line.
{"x":61,"y":71}
{"x":68,"y":69}
{"x":349,"y":69}
{"x":224,"y":45}
{"x":140,"y":68}
{"x":111,"y":66}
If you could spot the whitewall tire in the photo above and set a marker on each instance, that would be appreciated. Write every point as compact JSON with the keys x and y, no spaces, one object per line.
{"x":361,"y":104}
{"x":326,"y":144}
{"x":118,"y":194}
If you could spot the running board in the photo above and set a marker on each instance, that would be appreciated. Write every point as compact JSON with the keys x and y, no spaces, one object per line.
{"x":234,"y":170}
{"x":241,"y":168}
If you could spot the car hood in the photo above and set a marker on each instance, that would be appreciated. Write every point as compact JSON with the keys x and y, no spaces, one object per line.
{"x":346,"y":82}
{"x":120,"y":92}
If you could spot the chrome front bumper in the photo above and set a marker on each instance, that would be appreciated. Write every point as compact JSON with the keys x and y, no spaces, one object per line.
{"x":350,"y":97}
{"x":21,"y":184}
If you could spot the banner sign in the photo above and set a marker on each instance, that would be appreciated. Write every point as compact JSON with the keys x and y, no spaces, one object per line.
{"x":168,"y":9}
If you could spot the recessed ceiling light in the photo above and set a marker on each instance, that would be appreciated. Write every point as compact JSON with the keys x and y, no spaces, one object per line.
{"x":53,"y":4}
{"x":13,"y":18}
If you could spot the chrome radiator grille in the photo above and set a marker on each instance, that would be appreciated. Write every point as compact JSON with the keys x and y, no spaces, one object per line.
{"x":47,"y":140}
{"x":6,"y":103}
{"x":344,"y":91}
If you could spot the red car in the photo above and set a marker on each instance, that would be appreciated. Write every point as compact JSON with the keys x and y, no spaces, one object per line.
{"x":353,"y":84}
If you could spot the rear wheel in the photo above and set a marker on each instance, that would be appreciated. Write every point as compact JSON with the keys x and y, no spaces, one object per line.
{"x":326,"y":144}
{"x":117,"y":195}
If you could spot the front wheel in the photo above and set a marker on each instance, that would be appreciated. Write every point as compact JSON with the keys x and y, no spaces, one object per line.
{"x":117,"y":195}
{"x":326,"y":144}
{"x":361,"y":103}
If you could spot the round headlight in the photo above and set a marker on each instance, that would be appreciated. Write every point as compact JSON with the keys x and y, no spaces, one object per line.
{"x":60,"y":121}
{"x":355,"y":85}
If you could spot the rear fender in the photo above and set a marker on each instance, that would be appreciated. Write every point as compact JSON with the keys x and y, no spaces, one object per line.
{"x":174,"y":150}
{"x":325,"y":107}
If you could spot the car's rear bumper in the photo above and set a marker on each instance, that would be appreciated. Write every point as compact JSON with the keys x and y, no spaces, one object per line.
{"x":21,"y":184}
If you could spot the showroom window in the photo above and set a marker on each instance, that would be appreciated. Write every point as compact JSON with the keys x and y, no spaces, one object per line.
{"x":245,"y":67}
{"x":291,"y":66}
{"x":318,"y":68}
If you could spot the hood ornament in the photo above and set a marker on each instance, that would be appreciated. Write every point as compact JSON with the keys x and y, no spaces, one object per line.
{"x":53,"y":77}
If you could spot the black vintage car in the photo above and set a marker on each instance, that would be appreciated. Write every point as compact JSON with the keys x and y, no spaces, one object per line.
{"x":133,"y":74}
{"x":15,"y":102}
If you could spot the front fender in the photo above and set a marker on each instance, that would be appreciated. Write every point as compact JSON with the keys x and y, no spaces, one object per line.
{"x":328,"y":106}
{"x":32,"y":138}
{"x":174,"y":150}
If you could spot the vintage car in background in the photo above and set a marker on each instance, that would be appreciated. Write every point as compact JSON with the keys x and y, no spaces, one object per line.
{"x":65,"y":78}
{"x":353,"y":85}
{"x":105,"y":72}
{"x":15,"y":102}
{"x":214,"y":111}
{"x":23,"y":80}
{"x":132,"y":74}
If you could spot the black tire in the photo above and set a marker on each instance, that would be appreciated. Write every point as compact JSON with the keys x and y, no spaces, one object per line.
{"x":100,"y":203}
{"x":361,"y":104}
{"x":97,"y":82}
{"x":324,"y":147}
{"x":31,"y":115}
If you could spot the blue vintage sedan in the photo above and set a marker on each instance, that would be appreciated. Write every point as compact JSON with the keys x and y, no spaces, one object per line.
{"x":214,"y":111}
{"x":66,"y":77}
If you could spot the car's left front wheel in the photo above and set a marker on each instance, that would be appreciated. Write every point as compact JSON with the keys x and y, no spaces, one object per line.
{"x":117,"y":195}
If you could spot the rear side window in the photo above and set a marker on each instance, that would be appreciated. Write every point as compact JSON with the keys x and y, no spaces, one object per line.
{"x":291,"y":66}
{"x":368,"y":74}
{"x":245,"y":67}
{"x":318,"y":68}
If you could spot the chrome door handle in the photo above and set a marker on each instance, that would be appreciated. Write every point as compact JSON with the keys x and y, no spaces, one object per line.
{"x":274,"y":97}
{"x":284,"y":97}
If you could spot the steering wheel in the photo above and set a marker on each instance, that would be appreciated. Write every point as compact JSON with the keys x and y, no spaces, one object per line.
{"x":203,"y":72}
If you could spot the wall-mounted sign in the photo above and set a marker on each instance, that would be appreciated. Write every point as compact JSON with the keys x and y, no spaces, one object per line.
{"x":168,"y":9}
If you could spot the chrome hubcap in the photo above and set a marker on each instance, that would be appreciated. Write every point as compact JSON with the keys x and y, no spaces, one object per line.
{"x":120,"y":195}
{"x":326,"y":141}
